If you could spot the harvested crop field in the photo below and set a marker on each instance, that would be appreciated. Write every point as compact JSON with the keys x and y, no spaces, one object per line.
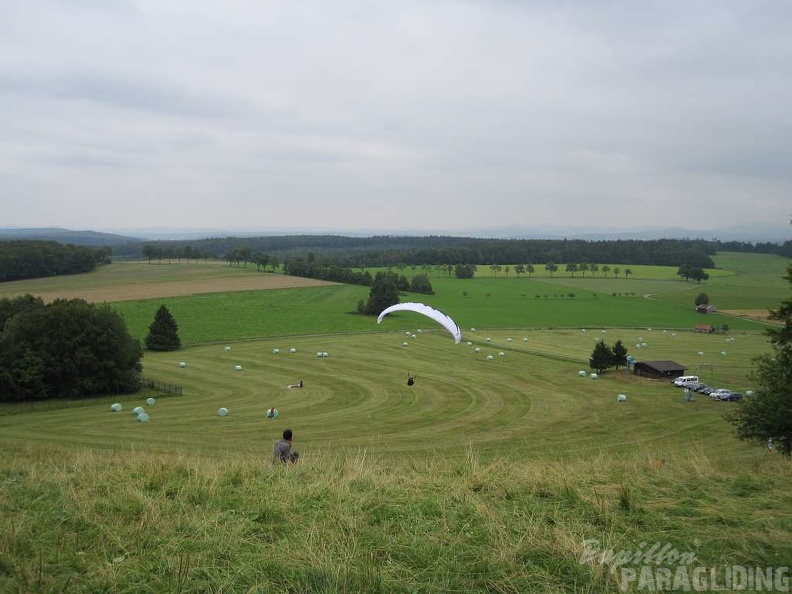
{"x":132,"y":281}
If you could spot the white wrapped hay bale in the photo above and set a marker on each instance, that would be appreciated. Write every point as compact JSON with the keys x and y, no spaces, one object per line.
{"x":222,"y":411}
{"x":228,"y":348}
{"x":143,"y":418}
{"x":292,"y":350}
{"x":477,"y":350}
{"x":593,"y":376}
{"x":621,"y":398}
{"x":582,"y":373}
{"x":138,"y":410}
{"x":469,"y":343}
{"x":490,"y":357}
{"x":324,"y":355}
{"x":501,"y":354}
{"x":508,"y":340}
{"x":405,"y":344}
{"x":238,"y":368}
{"x":275,"y":351}
{"x":150,"y":401}
{"x":116,"y":407}
{"x":182,"y":364}
{"x":412,"y":336}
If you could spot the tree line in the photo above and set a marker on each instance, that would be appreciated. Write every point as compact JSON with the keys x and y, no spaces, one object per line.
{"x":22,"y":259}
{"x":384,"y":251}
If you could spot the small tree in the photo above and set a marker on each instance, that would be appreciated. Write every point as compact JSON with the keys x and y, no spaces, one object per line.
{"x":619,"y":355}
{"x":601,"y":357}
{"x":767,"y":414}
{"x":420,"y":283}
{"x":384,"y":293}
{"x":702,"y":299}
{"x":163,"y":333}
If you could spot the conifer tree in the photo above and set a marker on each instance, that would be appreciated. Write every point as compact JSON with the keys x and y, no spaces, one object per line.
{"x":164,"y":332}
{"x":601,"y":357}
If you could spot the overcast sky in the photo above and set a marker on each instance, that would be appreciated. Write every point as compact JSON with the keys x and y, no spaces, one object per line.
{"x":344,"y":114}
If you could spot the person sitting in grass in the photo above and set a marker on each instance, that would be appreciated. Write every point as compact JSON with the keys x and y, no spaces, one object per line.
{"x":283,"y":452}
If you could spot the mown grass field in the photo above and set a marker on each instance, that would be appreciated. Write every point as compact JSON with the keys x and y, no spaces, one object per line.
{"x":485,"y":476}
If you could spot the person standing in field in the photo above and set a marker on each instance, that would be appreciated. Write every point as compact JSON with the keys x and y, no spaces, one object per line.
{"x":283,"y":452}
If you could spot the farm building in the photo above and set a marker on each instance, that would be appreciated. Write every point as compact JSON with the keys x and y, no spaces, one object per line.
{"x":706,"y":308}
{"x":658,"y":369}
{"x":708,"y":328}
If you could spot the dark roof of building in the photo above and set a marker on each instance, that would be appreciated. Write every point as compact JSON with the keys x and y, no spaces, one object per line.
{"x":663,"y":365}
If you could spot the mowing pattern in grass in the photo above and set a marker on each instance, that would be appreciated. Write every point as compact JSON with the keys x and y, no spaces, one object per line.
{"x":528,"y":402}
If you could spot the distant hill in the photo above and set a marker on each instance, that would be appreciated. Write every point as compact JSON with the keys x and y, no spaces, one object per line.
{"x":67,"y":236}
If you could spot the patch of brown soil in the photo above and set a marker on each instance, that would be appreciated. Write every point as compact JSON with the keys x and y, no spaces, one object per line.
{"x":760,"y":315}
{"x":182,"y":288}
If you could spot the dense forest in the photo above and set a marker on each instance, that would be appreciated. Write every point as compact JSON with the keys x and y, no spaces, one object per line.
{"x":382,"y":251}
{"x":22,"y":259}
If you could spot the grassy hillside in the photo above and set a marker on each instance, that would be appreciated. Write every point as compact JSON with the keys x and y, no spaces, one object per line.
{"x":487,"y":475}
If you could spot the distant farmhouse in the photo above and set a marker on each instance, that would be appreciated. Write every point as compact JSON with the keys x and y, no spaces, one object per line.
{"x":659,"y":369}
{"x":708,"y":328}
{"x":706,"y":308}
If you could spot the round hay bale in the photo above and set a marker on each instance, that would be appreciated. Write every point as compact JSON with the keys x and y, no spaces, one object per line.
{"x":292,"y":350}
{"x":324,"y":354}
{"x":469,"y":343}
{"x":701,"y":353}
{"x":723,"y":353}
{"x":582,"y":329}
{"x":525,"y":339}
{"x":407,"y":333}
{"x":419,"y":331}
{"x":405,"y":343}
{"x":182,"y":364}
{"x":489,"y":339}
{"x":138,"y":410}
{"x":143,"y":418}
{"x":222,"y":411}
{"x":749,"y":393}
{"x":238,"y":368}
{"x":582,"y":373}
{"x":412,"y":336}
{"x":508,"y":340}
{"x":150,"y":401}
{"x":227,"y":349}
{"x":643,"y":344}
{"x":477,"y":350}
{"x":275,"y":351}
{"x":472,"y":329}
{"x":593,"y":376}
{"x":319,"y":354}
{"x":116,"y":407}
{"x":501,"y":354}
{"x":490,"y":357}
{"x":621,"y":398}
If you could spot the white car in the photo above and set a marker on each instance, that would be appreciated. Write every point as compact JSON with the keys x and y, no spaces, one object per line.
{"x":719,"y":393}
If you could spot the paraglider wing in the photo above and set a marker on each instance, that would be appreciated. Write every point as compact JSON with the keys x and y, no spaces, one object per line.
{"x":430,"y":312}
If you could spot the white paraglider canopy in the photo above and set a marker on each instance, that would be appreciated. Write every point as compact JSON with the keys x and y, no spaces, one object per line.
{"x":430,"y":312}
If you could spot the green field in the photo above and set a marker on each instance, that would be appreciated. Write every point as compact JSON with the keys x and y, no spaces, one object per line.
{"x":485,"y":476}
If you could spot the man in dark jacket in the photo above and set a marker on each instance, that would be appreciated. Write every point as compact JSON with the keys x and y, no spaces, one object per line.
{"x":283,"y":452}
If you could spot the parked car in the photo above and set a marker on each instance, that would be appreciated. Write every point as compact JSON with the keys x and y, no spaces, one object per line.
{"x":734,"y":396}
{"x":703,"y":387}
{"x":707,"y":391}
{"x":720,"y":393}
{"x":695,"y":386}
